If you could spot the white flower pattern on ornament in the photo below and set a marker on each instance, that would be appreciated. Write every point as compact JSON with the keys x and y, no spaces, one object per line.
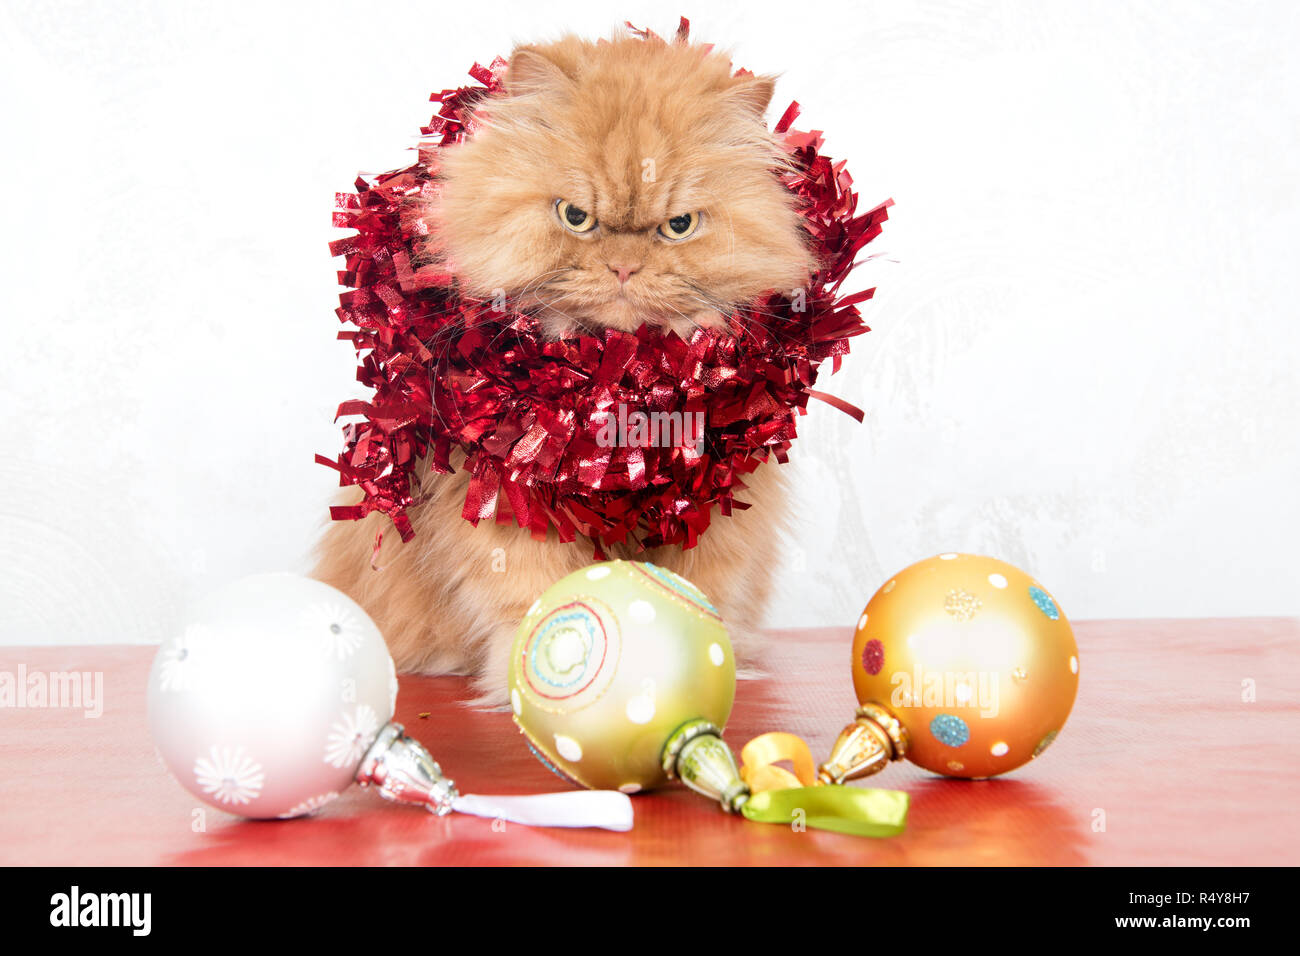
{"x":350,"y":735}
{"x":339,"y":628}
{"x":230,"y":775}
{"x":309,"y":806}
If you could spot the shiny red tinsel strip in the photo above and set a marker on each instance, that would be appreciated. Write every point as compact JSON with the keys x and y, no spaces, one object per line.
{"x":449,"y":372}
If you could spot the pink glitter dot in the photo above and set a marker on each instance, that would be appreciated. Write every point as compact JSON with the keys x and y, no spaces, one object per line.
{"x":873,"y":657}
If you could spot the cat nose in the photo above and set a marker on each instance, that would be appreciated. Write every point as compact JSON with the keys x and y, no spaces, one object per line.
{"x":624,"y":270}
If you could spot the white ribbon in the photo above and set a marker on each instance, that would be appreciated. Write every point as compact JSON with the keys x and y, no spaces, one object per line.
{"x":607,"y":809}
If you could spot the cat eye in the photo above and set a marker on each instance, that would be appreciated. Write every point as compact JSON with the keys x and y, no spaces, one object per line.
{"x":574,"y":219}
{"x":680,"y":227}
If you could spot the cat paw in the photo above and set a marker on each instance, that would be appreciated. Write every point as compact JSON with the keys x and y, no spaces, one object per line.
{"x":490,"y":694}
{"x":491,"y":680}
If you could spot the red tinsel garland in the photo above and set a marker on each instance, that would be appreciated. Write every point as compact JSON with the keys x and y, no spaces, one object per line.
{"x":448,"y":371}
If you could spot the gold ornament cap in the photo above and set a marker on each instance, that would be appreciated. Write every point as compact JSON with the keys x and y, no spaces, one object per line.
{"x":696,"y":755}
{"x":865,"y":746}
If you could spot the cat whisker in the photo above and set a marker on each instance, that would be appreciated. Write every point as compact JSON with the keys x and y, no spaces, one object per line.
{"x":530,"y":288}
{"x":576,"y":320}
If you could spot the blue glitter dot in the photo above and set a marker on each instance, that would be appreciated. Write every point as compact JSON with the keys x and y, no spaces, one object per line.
{"x":550,"y":766}
{"x":949,"y":730}
{"x":1045,"y":603}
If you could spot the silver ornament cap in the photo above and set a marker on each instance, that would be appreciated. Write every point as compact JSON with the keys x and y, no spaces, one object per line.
{"x":404,"y":771}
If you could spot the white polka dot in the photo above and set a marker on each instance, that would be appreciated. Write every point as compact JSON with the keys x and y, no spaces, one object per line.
{"x":717,"y":654}
{"x":642,"y":611}
{"x":999,"y":749}
{"x":598,"y":572}
{"x":630,"y":788}
{"x":515,"y":702}
{"x":1074,"y":664}
{"x":862,"y":621}
{"x":997,"y":580}
{"x":962,"y":692}
{"x":640,"y":709}
{"x":950,"y":556}
{"x":568,"y":748}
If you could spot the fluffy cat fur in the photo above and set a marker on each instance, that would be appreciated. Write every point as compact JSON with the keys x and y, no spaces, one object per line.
{"x":633,"y":132}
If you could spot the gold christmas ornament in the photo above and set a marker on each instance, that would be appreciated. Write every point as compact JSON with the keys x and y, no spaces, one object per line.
{"x":964,"y":665}
{"x":612,"y":662}
{"x":622,"y":677}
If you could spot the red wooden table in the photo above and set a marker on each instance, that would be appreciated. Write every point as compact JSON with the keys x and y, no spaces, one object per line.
{"x":1162,"y":747}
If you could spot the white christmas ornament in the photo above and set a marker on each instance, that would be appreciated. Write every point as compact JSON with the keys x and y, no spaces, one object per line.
{"x":279,"y":692}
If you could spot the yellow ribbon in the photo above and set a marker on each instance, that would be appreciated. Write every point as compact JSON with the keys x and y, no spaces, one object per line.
{"x":779,"y":796}
{"x":759,"y":757}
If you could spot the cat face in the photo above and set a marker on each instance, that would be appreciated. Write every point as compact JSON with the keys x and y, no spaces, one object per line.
{"x":620,"y":183}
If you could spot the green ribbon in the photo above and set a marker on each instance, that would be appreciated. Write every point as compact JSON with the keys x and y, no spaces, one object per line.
{"x":854,"y":810}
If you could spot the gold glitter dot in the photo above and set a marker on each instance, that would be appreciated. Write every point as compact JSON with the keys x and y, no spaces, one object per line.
{"x":1045,"y":742}
{"x":956,"y":765}
{"x":962,"y":605}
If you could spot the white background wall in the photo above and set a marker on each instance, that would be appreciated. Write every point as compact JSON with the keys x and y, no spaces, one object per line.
{"x":1084,"y":352}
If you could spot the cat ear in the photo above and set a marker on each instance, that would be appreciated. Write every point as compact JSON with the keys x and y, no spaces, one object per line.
{"x":532,"y":72}
{"x":753,"y":93}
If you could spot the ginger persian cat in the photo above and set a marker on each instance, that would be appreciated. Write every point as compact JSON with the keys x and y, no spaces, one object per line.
{"x":613,"y":183}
